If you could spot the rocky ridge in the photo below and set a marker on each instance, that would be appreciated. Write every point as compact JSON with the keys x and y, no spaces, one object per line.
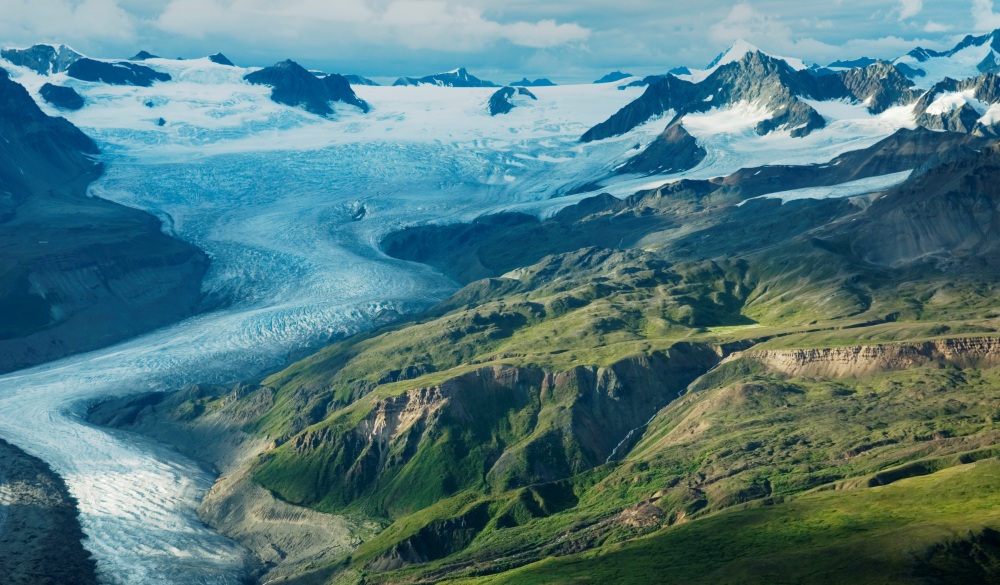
{"x":43,"y":59}
{"x":120,"y":73}
{"x":293,"y":85}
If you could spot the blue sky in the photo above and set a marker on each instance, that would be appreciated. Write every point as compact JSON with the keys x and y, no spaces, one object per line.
{"x":566,"y":40}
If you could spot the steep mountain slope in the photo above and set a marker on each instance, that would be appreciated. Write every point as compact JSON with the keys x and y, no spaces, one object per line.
{"x":78,"y":272}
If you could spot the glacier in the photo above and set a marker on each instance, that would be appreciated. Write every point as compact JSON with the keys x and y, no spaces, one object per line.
{"x":272,"y":194}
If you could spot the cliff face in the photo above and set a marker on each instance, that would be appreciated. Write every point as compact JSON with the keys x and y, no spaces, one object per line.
{"x":76,"y":272}
{"x":868,"y":359}
{"x":497,"y":427}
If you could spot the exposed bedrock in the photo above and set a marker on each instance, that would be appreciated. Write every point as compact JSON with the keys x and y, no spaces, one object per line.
{"x":868,"y":359}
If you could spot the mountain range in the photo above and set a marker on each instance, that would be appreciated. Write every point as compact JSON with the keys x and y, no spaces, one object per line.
{"x":784,"y":372}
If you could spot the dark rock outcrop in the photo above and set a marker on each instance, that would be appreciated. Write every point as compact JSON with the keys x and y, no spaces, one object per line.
{"x":61,"y":97}
{"x":78,"y":272}
{"x":43,"y":59}
{"x":142,"y":56}
{"x":540,"y":82}
{"x":502,"y":102}
{"x":860,"y":62}
{"x":293,"y":85}
{"x":457,"y":78}
{"x":673,"y":151}
{"x":120,"y":73}
{"x":220,"y":59}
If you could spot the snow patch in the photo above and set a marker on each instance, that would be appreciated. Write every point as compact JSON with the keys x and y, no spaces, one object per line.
{"x":849,"y":189}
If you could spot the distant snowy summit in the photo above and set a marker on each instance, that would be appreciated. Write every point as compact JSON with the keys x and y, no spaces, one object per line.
{"x":540,"y":82}
{"x":359,"y":80}
{"x":970,"y":57}
{"x":781,"y":92}
{"x":457,"y":78}
{"x":292,"y":85}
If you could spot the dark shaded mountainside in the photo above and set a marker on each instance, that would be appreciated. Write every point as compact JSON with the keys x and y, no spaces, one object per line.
{"x":693,"y":384}
{"x":292,"y":85}
{"x":77,"y":272}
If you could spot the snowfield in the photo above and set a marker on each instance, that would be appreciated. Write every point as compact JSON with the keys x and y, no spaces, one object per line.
{"x":274,"y":195}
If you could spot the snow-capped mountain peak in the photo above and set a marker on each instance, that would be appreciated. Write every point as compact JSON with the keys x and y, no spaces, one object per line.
{"x":734,"y":53}
{"x":972,"y":56}
{"x":739,"y":50}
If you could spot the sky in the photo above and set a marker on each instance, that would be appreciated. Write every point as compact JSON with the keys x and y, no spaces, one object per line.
{"x":564,"y":40}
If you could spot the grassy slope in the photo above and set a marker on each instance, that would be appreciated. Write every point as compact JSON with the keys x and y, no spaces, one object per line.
{"x":891,"y":534}
{"x":758,"y":435}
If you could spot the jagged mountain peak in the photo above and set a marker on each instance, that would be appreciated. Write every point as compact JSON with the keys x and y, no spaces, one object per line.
{"x":220,"y":59}
{"x":43,"y":59}
{"x":741,"y":48}
{"x":970,"y":57}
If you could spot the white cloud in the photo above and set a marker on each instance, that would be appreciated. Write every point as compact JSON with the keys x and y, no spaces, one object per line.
{"x":983,"y":16}
{"x":64,"y":20}
{"x":415,"y":24}
{"x":744,"y":22}
{"x":936,"y":27}
{"x":907,"y":9}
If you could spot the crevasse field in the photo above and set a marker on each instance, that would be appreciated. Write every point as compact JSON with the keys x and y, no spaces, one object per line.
{"x":290,"y":207}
